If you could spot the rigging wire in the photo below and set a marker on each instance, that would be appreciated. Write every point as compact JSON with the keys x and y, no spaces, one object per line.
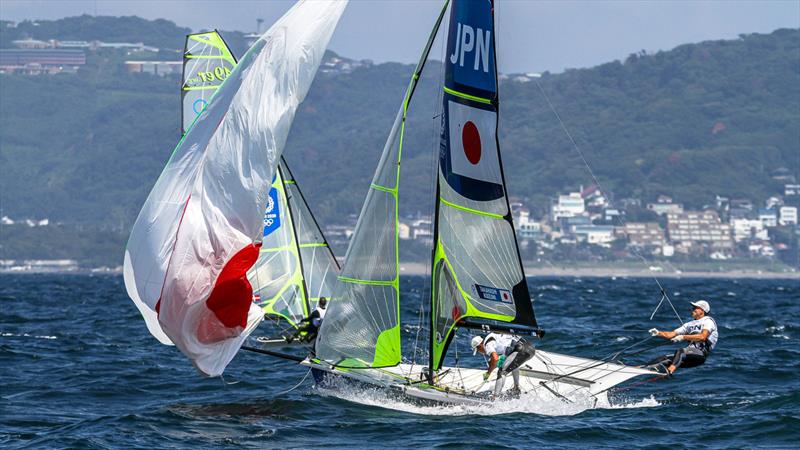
{"x":296,"y":385}
{"x":600,"y":187}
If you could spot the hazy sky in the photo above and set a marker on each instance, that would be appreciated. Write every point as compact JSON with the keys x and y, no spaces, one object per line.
{"x":534,"y":35}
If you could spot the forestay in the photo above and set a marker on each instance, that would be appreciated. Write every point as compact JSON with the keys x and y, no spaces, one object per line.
{"x":200,"y":229}
{"x":362,"y":326}
{"x":207,"y":62}
{"x":477,"y":271}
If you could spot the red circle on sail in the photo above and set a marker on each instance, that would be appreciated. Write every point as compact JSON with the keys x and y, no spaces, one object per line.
{"x":471,"y":140}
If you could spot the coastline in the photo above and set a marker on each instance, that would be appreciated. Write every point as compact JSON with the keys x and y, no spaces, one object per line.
{"x":421,"y":269}
{"x":623,"y":272}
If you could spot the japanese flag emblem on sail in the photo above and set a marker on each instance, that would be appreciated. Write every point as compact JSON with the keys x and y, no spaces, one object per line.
{"x":473,"y":147}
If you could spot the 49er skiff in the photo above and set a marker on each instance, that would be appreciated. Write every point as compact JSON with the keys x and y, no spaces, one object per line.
{"x":477,"y":277}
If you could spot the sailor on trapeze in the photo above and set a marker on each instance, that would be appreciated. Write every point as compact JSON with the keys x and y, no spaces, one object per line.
{"x":700,"y":333}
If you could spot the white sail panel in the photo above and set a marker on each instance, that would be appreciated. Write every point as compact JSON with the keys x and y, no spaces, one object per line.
{"x":200,"y":228}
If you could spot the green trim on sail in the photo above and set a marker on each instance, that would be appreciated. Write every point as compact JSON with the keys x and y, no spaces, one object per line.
{"x":199,"y":88}
{"x":213,"y":39}
{"x":313,"y":244}
{"x":441,"y":257}
{"x":467,"y":96}
{"x":387,"y":347}
{"x":383,"y":188}
{"x":470,"y":210}
{"x":392,"y":283}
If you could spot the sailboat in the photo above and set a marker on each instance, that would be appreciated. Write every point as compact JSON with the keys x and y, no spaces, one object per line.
{"x":201,"y":228}
{"x":295,"y":266}
{"x":477,"y":278}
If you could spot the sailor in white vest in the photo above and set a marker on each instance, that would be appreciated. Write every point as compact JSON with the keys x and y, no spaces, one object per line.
{"x":507,"y":353}
{"x":700,"y":333}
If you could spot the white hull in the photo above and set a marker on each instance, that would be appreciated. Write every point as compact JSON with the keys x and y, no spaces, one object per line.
{"x":548,"y":376}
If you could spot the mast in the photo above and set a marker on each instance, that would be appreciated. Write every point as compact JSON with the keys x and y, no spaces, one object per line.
{"x":303,"y":285}
{"x":477,"y":279}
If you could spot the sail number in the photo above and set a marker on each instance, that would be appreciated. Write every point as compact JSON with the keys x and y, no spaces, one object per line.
{"x":219,"y":73}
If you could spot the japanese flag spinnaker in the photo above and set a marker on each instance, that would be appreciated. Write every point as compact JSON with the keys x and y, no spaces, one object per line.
{"x":200,"y":228}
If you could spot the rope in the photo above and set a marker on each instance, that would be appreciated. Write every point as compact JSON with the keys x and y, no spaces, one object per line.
{"x":296,"y":385}
{"x":599,"y":186}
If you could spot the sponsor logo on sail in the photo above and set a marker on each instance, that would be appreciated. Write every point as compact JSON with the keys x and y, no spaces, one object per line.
{"x":494,"y":294}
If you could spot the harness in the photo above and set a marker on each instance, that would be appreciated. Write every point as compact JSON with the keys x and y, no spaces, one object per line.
{"x":705,"y":346}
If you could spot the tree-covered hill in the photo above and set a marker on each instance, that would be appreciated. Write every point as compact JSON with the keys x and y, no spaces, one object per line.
{"x":703,"y":119}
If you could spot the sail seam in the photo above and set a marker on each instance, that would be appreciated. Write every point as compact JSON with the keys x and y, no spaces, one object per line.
{"x":467,"y":96}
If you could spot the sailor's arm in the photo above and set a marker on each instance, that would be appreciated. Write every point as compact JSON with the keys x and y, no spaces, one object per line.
{"x":700,"y":337}
{"x":663,"y":334}
{"x":493,"y":358}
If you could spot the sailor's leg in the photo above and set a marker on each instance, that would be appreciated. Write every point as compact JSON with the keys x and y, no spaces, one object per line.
{"x":663,"y":360}
{"x":515,"y":374}
{"x":502,"y":372}
{"x":693,"y":357}
{"x":498,"y":385}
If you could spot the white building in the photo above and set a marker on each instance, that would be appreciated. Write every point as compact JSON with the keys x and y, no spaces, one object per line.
{"x":769,"y":217}
{"x":788,"y":215}
{"x":526,"y":227}
{"x":570,"y":205}
{"x":748,"y":229}
{"x":602,"y":235}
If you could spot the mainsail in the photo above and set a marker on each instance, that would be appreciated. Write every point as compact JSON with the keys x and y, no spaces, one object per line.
{"x":207,"y":62}
{"x":201,"y":227}
{"x":477,"y":270}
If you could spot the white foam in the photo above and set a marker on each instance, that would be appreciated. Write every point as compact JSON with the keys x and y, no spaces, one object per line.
{"x":527,"y":403}
{"x":27,"y":335}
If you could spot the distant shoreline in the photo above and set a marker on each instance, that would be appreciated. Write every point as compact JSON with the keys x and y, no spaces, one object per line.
{"x":421,"y":269}
{"x":609,"y":272}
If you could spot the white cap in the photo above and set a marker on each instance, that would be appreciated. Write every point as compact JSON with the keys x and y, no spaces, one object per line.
{"x":476,"y":341}
{"x":702,"y":304}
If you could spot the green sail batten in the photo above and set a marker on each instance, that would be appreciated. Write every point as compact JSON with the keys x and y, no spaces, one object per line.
{"x":200,"y":88}
{"x":470,"y":210}
{"x":467,"y":96}
{"x":368,"y":282}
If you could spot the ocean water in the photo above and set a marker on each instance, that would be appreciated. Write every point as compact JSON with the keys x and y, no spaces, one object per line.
{"x":78,"y":369}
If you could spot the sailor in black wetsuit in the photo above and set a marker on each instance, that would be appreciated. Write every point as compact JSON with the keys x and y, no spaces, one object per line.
{"x":700,"y":333}
{"x":311,"y":323}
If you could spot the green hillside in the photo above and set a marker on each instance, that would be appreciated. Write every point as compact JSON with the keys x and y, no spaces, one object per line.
{"x":703,"y":119}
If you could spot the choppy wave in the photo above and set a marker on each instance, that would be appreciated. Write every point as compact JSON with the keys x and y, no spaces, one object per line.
{"x":87,"y":374}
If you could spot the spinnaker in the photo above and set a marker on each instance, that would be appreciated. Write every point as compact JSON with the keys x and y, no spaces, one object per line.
{"x":296,"y":266}
{"x":201,"y":228}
